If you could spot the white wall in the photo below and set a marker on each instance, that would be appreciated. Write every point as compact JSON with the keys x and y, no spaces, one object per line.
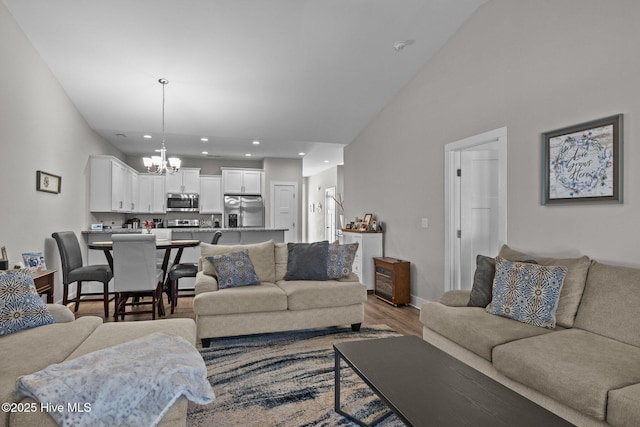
{"x":532,"y":66}
{"x":40,"y":129}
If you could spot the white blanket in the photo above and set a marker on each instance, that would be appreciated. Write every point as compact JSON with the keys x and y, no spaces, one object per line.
{"x":131,"y":384}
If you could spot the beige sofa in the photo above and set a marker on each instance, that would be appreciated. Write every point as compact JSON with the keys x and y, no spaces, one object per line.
{"x":31,"y":350}
{"x":586,"y":370}
{"x":275,"y":304}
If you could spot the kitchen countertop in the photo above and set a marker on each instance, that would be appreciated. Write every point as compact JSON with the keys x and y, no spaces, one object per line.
{"x":186,"y":230}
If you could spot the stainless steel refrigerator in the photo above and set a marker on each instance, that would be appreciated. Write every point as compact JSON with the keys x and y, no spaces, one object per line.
{"x":243,"y":211}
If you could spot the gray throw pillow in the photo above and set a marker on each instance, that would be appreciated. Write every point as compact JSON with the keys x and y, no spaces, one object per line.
{"x":482,"y":282}
{"x":307,"y":261}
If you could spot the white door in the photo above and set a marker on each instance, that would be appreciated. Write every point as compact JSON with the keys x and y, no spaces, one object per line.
{"x":285,"y":210}
{"x":478,"y":209}
{"x":330,"y":214}
{"x":475,"y":203}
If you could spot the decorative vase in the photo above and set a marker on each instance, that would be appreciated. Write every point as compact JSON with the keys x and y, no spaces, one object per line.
{"x":341,"y":221}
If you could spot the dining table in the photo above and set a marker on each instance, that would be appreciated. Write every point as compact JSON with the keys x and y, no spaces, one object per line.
{"x":166,"y":244}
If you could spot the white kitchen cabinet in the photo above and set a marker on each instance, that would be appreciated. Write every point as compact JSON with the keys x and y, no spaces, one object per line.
{"x":242,"y":181}
{"x":369,"y":246}
{"x":135,"y":191}
{"x":210,"y":194}
{"x":110,"y":185}
{"x":186,"y":180}
{"x":152,"y":194}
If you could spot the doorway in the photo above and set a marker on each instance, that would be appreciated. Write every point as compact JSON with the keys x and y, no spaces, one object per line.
{"x":475,"y":203}
{"x":330,"y":214}
{"x":284,"y":211}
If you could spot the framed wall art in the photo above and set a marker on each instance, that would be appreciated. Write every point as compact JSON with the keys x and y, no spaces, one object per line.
{"x":583,"y":163}
{"x":48,"y":182}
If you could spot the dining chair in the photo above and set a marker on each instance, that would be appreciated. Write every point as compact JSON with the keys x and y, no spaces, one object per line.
{"x":74,"y":271}
{"x":135,"y":273}
{"x":163,"y":237}
{"x":178,"y":271}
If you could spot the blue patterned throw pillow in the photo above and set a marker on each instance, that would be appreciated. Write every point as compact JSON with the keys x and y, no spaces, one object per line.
{"x":340,"y":260}
{"x":528,"y":293}
{"x":234,"y":269}
{"x":20,"y":305}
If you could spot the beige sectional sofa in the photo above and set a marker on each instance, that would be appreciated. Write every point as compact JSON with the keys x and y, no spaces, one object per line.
{"x":586,"y":369}
{"x":275,"y":304}
{"x":31,"y":350}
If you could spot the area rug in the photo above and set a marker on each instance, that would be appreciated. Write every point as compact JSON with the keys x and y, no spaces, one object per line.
{"x":286,"y":379}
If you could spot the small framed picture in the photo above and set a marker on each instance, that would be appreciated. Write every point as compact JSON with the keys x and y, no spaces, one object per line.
{"x":34,"y":261}
{"x":48,"y":182}
{"x":367,"y":218}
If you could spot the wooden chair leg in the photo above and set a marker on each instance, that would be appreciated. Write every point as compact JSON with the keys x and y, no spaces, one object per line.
{"x":78,"y":294}
{"x":116,"y":311}
{"x":106,"y":299}
{"x":174,"y":295}
{"x":65,"y":294}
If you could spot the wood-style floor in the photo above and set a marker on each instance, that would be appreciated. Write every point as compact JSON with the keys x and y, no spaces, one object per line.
{"x":403,"y":320}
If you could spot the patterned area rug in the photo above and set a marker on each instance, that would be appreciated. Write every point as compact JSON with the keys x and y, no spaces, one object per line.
{"x":286,"y":379}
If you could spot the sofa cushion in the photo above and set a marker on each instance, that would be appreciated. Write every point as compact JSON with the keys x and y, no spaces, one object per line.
{"x":473,"y":328}
{"x":572,"y":288}
{"x":527,"y":292}
{"x":574,"y":367}
{"x":234,"y":269}
{"x":112,"y":333}
{"x":261,"y":255}
{"x":281,"y":256}
{"x":340,"y":260}
{"x":482,"y":289}
{"x":611,"y":303}
{"x":307,"y":261}
{"x":34,"y":349}
{"x":245,"y":299}
{"x":623,"y":408}
{"x":306,"y":294}
{"x":20,"y":305}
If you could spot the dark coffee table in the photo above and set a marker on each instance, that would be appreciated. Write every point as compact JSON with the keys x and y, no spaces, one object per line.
{"x":424,"y":386}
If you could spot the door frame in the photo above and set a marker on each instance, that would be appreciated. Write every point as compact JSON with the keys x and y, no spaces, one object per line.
{"x":452,"y":198}
{"x":296,"y":214}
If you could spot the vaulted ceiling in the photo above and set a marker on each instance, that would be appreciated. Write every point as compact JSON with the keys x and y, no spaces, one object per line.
{"x":299,"y":76}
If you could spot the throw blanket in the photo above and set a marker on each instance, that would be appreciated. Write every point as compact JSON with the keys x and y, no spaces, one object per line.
{"x":130,"y":384}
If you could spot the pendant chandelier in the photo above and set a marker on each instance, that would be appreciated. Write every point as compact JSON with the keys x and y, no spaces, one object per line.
{"x":160,"y":164}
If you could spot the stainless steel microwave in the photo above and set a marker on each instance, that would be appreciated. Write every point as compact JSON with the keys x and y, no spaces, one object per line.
{"x":183,"y":202}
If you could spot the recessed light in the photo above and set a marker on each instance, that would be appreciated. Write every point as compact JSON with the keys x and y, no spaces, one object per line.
{"x":256,"y":142}
{"x":326,"y":161}
{"x":248,"y":155}
{"x":147,"y":136}
{"x":301,"y":154}
{"x":204,"y":139}
{"x":205,"y":152}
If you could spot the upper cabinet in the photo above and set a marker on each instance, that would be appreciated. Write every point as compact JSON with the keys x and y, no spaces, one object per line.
{"x":210,"y":194}
{"x":111,"y":185}
{"x":242,"y":181}
{"x":152,"y":195}
{"x":186,"y":180}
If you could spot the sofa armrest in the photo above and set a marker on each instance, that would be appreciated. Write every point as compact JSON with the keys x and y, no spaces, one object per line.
{"x":61,"y":313}
{"x":205,"y":283}
{"x":455,"y":298}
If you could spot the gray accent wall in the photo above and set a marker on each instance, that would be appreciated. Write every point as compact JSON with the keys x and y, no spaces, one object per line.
{"x":532,"y":66}
{"x":40,"y":129}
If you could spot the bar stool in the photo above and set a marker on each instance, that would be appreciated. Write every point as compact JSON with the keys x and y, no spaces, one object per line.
{"x":181,"y":270}
{"x":74,"y":271}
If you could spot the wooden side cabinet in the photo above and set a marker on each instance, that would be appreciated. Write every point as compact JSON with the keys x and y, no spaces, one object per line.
{"x":392,"y":280}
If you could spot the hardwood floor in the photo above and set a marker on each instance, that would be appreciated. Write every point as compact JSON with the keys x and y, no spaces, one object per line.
{"x":403,"y":320}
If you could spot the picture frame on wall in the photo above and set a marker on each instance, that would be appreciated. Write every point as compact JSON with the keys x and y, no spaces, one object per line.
{"x":48,"y":182}
{"x":583,"y":163}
